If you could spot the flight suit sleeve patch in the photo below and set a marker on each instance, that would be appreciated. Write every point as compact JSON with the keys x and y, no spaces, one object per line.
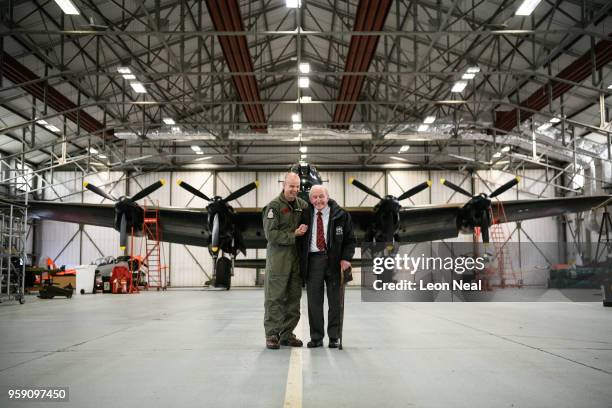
{"x":270,"y":214}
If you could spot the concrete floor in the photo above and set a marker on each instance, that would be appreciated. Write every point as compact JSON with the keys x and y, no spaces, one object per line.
{"x":187,"y":348}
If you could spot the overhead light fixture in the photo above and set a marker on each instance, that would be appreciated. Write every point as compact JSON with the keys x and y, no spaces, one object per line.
{"x":129,"y":76}
{"x":169,"y":121}
{"x":124,"y":70}
{"x":505,"y":149}
{"x":429,"y":120}
{"x":497,"y":155}
{"x":203,"y":158}
{"x":305,"y":99}
{"x":303,"y":82}
{"x":544,"y":126}
{"x":102,"y":156}
{"x":195,"y":148}
{"x":52,"y":128}
{"x":398,"y":158}
{"x":610,"y":86}
{"x":42,"y":122}
{"x":297,"y":126}
{"x":293,"y":3}
{"x":467,"y":75}
{"x":303,"y":156}
{"x":200,"y":152}
{"x":175,"y":129}
{"x":404,"y":149}
{"x":473,"y":70}
{"x":459,"y":86}
{"x":303,"y":149}
{"x":422,"y":128}
{"x":296,"y":117}
{"x":555,"y":120}
{"x":304,"y":67}
{"x":138,"y":87}
{"x":93,"y":150}
{"x":68,"y":7}
{"x":527,"y":7}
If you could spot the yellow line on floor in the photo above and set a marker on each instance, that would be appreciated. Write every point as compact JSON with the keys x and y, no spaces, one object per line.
{"x":293,"y":392}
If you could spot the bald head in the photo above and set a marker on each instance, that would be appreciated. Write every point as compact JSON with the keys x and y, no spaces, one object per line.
{"x":291,"y":186}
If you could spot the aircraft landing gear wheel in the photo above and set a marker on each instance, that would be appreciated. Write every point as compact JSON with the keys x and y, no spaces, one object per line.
{"x":224,"y":273}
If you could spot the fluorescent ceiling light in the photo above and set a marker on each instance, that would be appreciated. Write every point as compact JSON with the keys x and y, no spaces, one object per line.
{"x":527,"y":7}
{"x":138,"y":87}
{"x":473,"y":70}
{"x":609,"y":86}
{"x":293,"y":3}
{"x":404,"y":149}
{"x":175,"y":129}
{"x":398,"y":158}
{"x":42,"y":122}
{"x":180,"y":135}
{"x":555,"y":120}
{"x":203,"y":158}
{"x":169,"y":121}
{"x":297,"y":126}
{"x":52,"y":128}
{"x":459,"y":86}
{"x":129,"y":76}
{"x":68,"y":7}
{"x":303,"y":149}
{"x":467,"y":75}
{"x":200,"y":152}
{"x":303,"y":82}
{"x":195,"y":148}
{"x":544,"y":126}
{"x":429,"y":120}
{"x":306,"y":99}
{"x":102,"y":156}
{"x":296,"y":117}
{"x":124,"y":70}
{"x":505,"y":149}
{"x":422,"y":128}
{"x":496,"y":155}
{"x":93,"y":150}
{"x":304,"y":67}
{"x":303,"y":156}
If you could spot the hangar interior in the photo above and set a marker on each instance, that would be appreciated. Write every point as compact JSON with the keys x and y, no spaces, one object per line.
{"x":119,"y":94}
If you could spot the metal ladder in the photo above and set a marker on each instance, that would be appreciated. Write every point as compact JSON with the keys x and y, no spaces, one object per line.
{"x":153,"y":251}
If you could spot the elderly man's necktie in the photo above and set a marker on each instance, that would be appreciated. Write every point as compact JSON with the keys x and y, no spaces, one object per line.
{"x":320,"y":232}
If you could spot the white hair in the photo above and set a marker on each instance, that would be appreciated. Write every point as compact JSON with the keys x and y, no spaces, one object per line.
{"x":318,"y":186}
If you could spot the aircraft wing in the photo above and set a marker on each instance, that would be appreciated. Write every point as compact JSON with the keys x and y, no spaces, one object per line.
{"x":434,"y":222}
{"x":178,"y":225}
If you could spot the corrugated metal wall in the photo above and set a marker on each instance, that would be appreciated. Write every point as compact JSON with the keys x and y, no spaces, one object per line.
{"x":189,"y":265}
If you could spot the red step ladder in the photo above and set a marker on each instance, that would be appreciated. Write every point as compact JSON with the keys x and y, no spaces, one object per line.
{"x":506,"y":276}
{"x":153,"y":258}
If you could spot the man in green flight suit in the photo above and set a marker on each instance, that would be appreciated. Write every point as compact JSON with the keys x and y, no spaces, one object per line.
{"x":283,"y":282}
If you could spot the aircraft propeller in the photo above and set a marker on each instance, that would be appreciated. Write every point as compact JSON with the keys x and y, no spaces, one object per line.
{"x":126,"y":209}
{"x":476,"y":213}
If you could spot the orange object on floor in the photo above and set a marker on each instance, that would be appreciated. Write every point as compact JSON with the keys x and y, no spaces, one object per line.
{"x":121,"y":279}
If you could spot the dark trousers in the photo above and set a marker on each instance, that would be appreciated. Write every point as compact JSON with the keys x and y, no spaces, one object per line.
{"x":318,"y":275}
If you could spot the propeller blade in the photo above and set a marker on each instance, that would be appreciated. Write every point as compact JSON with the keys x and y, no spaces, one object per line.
{"x":215,"y":234}
{"x":148,"y":190}
{"x":123,"y":232}
{"x":241,"y":191}
{"x":484,"y":230}
{"x":414,"y":190}
{"x":192,"y":190}
{"x":98,"y":191}
{"x":364,"y":188}
{"x":455,"y":187}
{"x":505,"y":187}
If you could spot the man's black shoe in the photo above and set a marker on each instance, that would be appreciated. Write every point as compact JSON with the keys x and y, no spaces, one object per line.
{"x":334,"y":343}
{"x":314,"y":343}
{"x":292,"y":341}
